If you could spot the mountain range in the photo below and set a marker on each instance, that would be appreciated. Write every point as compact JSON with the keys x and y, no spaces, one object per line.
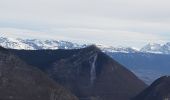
{"x":156,"y":48}
{"x":79,"y":74}
{"x":148,"y":64}
{"x":37,"y":44}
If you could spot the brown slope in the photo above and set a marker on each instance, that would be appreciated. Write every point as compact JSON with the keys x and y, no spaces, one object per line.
{"x":18,"y":81}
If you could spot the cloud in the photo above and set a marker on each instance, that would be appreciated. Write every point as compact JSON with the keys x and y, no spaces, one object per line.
{"x":129,"y":9}
{"x":83,"y":35}
{"x":113,"y":22}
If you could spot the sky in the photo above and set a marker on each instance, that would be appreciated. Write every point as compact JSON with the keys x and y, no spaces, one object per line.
{"x":109,"y":22}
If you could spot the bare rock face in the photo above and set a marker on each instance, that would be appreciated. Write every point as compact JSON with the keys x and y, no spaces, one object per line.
{"x":18,"y":81}
{"x":159,"y":90}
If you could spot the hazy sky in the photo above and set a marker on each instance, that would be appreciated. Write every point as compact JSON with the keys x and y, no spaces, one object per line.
{"x":110,"y":22}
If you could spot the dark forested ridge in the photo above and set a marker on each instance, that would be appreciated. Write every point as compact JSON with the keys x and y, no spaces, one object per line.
{"x":19,"y":81}
{"x":88,"y":73}
{"x":159,"y":90}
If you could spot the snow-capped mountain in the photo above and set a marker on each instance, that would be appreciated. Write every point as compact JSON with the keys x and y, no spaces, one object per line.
{"x":117,"y":49}
{"x":36,"y":44}
{"x":157,"y":48}
{"x":142,"y":62}
{"x":152,"y":48}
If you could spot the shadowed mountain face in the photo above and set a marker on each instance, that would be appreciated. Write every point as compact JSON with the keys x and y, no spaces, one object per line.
{"x":159,"y":90}
{"x":18,"y":81}
{"x":88,"y":73}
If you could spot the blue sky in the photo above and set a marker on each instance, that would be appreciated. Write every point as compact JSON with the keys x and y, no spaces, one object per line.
{"x":110,"y":22}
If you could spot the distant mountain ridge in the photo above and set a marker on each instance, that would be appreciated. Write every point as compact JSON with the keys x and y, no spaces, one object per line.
{"x":37,"y":44}
{"x":157,"y":48}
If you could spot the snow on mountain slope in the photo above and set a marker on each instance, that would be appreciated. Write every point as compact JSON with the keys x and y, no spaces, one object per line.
{"x":157,"y":48}
{"x":166,"y":48}
{"x":152,"y":48}
{"x":117,"y":49}
{"x":13,"y":43}
{"x":35,"y":44}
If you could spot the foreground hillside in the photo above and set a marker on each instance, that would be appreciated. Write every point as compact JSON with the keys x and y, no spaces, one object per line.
{"x":19,"y":81}
{"x":159,"y":90}
{"x":88,"y":73}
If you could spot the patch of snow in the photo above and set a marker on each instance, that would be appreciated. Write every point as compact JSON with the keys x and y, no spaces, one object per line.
{"x":93,"y":69}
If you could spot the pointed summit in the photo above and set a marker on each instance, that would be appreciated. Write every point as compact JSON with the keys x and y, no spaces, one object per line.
{"x":152,"y":48}
{"x":91,"y":48}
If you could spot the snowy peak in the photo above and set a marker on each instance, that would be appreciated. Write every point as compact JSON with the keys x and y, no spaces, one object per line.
{"x":152,"y":48}
{"x":13,"y":43}
{"x":157,"y":48}
{"x":166,"y":48}
{"x":36,"y":44}
{"x":117,"y":49}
